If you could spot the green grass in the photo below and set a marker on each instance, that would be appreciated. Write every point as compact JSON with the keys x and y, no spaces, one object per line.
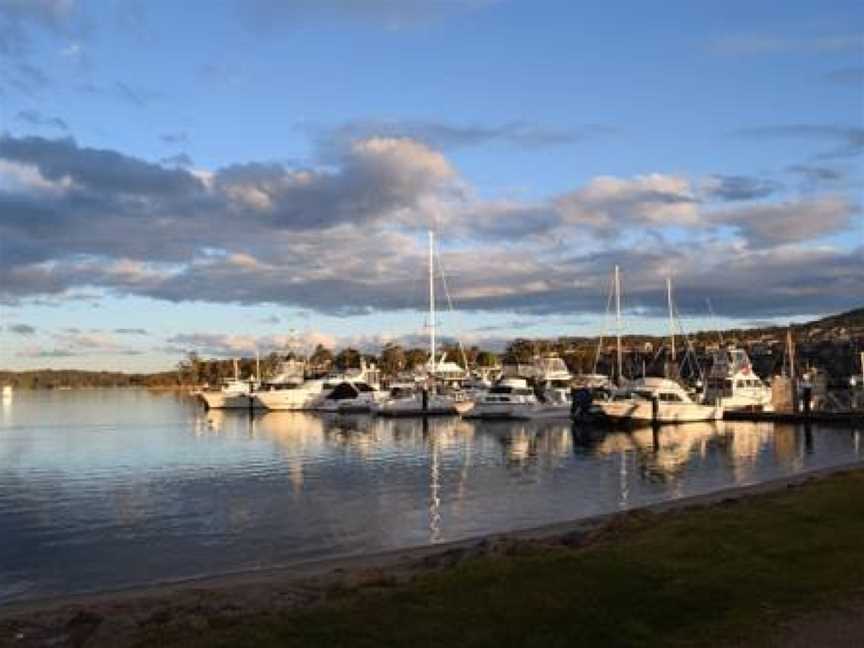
{"x":712,"y":576}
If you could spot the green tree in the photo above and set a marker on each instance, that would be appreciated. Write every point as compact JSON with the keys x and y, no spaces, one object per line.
{"x":415,"y":358}
{"x":392,"y":358}
{"x":348,"y":359}
{"x":486,"y":359}
{"x":321,"y":357}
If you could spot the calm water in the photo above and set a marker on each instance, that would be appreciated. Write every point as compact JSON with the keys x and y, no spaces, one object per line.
{"x":106,"y":489}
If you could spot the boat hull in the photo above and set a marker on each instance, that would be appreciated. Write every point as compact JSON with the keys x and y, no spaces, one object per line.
{"x":435,"y":406}
{"x":294,"y":400}
{"x":643,"y":411}
{"x":739,"y":403}
{"x":492,"y":411}
{"x":219,"y":400}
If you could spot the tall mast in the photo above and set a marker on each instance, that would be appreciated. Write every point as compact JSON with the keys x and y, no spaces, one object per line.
{"x":432,"y":300}
{"x":618,"y":322}
{"x":671,"y":315}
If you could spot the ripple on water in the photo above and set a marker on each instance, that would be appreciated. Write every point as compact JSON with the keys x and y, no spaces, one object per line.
{"x":109,"y":489}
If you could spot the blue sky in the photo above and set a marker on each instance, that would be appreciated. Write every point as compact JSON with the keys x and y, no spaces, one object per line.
{"x":210,"y":176}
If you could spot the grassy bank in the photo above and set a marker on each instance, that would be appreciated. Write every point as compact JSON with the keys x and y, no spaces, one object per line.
{"x":723,"y":574}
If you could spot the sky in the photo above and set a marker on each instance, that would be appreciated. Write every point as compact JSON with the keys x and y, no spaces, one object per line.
{"x":232,"y":175}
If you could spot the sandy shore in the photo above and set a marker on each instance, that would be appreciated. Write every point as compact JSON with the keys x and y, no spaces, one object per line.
{"x":116,"y":618}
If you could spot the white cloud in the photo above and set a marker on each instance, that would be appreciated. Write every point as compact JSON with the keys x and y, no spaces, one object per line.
{"x":788,"y":222}
{"x":607,"y":204}
{"x":16,"y":177}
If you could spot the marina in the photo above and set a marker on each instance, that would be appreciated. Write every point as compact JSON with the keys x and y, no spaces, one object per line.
{"x":431,"y":323}
{"x":191,"y":493}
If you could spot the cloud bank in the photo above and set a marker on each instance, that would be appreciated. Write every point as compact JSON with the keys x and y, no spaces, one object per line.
{"x":347,"y":236}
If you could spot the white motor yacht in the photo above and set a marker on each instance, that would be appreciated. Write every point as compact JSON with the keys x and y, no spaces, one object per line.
{"x":415,"y":404}
{"x":351,"y":396}
{"x":657,"y":400}
{"x":733,"y":384}
{"x":294,"y":396}
{"x":507,"y":399}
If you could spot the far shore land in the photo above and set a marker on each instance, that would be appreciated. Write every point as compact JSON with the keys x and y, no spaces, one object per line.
{"x":778,"y":563}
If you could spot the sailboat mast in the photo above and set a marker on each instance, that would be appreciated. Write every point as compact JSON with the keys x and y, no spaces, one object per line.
{"x":432,"y":300}
{"x":790,"y":349}
{"x":671,"y":315}
{"x":618,"y":322}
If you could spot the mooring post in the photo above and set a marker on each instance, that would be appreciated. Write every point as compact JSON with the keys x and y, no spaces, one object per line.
{"x":425,"y":399}
{"x":572,"y":402}
{"x":655,"y":409}
{"x":806,"y":397}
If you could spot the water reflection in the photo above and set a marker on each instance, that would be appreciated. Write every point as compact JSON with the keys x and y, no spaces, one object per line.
{"x":158,"y":488}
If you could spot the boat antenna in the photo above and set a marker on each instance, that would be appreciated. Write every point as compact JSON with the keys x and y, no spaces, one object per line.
{"x":671,"y":315}
{"x":713,"y":318}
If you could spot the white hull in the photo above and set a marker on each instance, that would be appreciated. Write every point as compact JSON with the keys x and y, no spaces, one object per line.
{"x":642,"y":410}
{"x":413,"y":406}
{"x":219,"y":400}
{"x":519,"y":411}
{"x":546,"y":411}
{"x":493,"y":410}
{"x":359,"y":405}
{"x":294,"y":400}
{"x":740,"y":402}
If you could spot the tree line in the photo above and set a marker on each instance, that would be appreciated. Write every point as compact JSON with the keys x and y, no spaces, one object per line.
{"x":579,"y":353}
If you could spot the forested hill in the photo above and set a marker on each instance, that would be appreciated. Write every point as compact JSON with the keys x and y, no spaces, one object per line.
{"x":852,"y":318}
{"x":54,"y":379}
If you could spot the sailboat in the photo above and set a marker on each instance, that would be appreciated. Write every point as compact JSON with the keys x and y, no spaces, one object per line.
{"x":658,"y":400}
{"x":595,"y":383}
{"x":426,"y":402}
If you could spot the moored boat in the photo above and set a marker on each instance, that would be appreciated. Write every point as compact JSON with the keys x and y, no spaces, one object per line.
{"x":430,"y":401}
{"x":424,"y":404}
{"x":351,"y":396}
{"x":733,"y":384}
{"x":657,"y":400}
{"x":506,"y":399}
{"x":293,"y":396}
{"x":234,"y":393}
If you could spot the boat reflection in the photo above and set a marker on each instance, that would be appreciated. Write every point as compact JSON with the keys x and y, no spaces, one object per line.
{"x":446,"y":446}
{"x":524,"y":443}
